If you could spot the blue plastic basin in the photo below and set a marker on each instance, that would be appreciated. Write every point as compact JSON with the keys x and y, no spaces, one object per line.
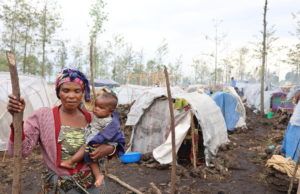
{"x":131,"y":157}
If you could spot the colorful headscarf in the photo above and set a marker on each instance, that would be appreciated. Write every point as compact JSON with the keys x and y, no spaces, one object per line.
{"x":73,"y":75}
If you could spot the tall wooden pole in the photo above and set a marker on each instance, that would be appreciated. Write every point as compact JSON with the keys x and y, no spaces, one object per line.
{"x":172,"y":126}
{"x":17,"y":123}
{"x":194,"y":145}
{"x":92,"y":67}
{"x":264,"y":54}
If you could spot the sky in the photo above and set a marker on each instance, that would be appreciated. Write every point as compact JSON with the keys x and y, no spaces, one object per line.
{"x":183,"y":24}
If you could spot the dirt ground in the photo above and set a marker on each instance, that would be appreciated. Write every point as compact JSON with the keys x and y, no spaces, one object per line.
{"x":239,"y":168}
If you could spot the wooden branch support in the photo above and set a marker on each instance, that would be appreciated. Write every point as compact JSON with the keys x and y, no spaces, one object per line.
{"x":172,"y":126}
{"x":127,"y":186}
{"x":92,"y":67}
{"x":298,"y":189}
{"x":156,"y":189}
{"x":4,"y":156}
{"x":295,"y":171}
{"x":17,"y":123}
{"x":193,"y":141}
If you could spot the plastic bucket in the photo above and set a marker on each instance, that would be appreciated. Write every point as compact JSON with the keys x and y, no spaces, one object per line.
{"x":270,"y":115}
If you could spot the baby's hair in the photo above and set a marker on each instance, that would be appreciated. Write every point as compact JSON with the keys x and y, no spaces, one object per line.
{"x":113,"y":99}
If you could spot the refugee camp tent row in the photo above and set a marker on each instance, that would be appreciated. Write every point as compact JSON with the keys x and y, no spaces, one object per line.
{"x":273,"y":98}
{"x":35,"y":92}
{"x":231,"y":107}
{"x":150,"y":119}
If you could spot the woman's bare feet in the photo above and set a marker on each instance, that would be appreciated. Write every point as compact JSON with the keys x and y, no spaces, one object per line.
{"x":67,"y":164}
{"x":99,"y":180}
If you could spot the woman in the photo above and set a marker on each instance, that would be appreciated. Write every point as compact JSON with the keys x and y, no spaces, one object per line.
{"x":59,"y":132}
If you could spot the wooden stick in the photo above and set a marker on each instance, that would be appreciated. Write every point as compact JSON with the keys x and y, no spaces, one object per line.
{"x":295,"y":170}
{"x":156,"y":189}
{"x":115,"y":178}
{"x":193,"y":141}
{"x":92,"y":68}
{"x":172,"y":126}
{"x":4,"y":155}
{"x":17,"y":123}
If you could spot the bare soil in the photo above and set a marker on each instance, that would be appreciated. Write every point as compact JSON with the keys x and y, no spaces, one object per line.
{"x":239,"y":167}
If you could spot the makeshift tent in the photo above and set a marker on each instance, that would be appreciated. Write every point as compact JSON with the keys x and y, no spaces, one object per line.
{"x":232,"y":109}
{"x":252,"y":95}
{"x":291,"y":141}
{"x":128,"y":93}
{"x":150,"y":119}
{"x":198,"y":88}
{"x":279,"y":100}
{"x":34,"y":90}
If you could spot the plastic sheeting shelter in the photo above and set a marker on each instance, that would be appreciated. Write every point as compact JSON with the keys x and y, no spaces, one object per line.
{"x":128,"y":93}
{"x":291,"y":141}
{"x":252,"y":95}
{"x":150,"y":119}
{"x":34,"y":90}
{"x":232,"y":111}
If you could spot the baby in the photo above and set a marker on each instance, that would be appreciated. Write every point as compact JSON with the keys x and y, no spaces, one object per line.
{"x":102,"y":130}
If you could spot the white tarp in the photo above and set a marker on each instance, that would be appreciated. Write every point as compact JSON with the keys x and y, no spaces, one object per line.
{"x":145,"y":100}
{"x":34,"y":90}
{"x":163,"y":153}
{"x":128,"y":93}
{"x":205,"y":109}
{"x":295,"y":118}
{"x":252,"y":95}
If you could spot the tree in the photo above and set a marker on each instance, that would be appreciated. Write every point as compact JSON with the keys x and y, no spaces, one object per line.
{"x":228,"y":64}
{"x":20,"y":23}
{"x":200,"y":70}
{"x":3,"y":62}
{"x":10,"y":17}
{"x":174,"y":71}
{"x":61,"y":54}
{"x":242,"y":55}
{"x":98,"y":17}
{"x":49,"y":21}
{"x":294,"y":59}
{"x":264,"y":54}
{"x":294,"y":52}
{"x":33,"y":66}
{"x":30,"y":23}
{"x":161,"y":52}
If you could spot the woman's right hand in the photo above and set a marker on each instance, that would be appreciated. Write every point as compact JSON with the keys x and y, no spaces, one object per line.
{"x":14,"y":105}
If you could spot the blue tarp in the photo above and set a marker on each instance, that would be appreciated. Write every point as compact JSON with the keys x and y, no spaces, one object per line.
{"x":291,"y":142}
{"x":227,"y":104}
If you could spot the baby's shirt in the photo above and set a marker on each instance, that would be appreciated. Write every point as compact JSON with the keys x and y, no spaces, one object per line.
{"x":95,"y":127}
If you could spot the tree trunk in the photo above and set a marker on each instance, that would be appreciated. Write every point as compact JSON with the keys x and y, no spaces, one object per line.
{"x":262,"y":88}
{"x":44,"y":39}
{"x":25,"y":51}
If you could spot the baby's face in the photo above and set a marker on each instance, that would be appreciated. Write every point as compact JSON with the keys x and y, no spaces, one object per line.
{"x":102,"y":108}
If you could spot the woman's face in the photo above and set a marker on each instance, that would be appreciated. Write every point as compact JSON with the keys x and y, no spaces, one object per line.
{"x":71,"y":95}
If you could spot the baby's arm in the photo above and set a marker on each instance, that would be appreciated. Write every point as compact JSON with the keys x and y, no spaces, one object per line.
{"x":109,"y":132}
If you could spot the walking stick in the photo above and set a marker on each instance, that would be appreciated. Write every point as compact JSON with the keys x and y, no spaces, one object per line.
{"x":173,"y":173}
{"x":17,"y":123}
